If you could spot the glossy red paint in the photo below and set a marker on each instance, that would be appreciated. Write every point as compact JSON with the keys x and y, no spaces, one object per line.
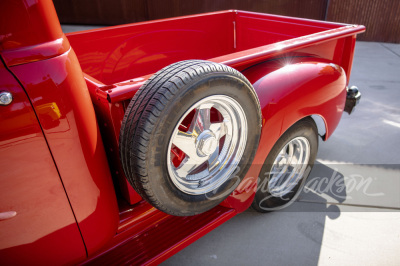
{"x":131,"y":51}
{"x":109,"y":115}
{"x":288,"y":94}
{"x":298,"y":68}
{"x":255,"y":38}
{"x":43,"y":227}
{"x":155,"y":238}
{"x":38,"y":52}
{"x":39,"y":55}
{"x":30,"y":31}
{"x":75,"y":143}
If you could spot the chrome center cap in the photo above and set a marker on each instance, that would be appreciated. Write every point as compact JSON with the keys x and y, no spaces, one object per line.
{"x":206,"y":143}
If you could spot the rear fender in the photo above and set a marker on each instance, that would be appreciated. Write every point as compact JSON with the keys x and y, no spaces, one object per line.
{"x":287,"y":94}
{"x":294,"y":91}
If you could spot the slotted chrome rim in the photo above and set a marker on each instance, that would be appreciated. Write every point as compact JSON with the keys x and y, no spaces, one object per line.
{"x":212,"y":149}
{"x":289,"y":166}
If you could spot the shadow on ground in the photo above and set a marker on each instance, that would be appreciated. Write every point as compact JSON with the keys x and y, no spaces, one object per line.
{"x":291,"y":236}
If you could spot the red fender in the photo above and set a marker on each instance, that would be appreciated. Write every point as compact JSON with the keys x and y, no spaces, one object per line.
{"x":288,"y":94}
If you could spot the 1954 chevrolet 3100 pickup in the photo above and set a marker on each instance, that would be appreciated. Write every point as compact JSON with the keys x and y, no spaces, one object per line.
{"x":104,"y":161}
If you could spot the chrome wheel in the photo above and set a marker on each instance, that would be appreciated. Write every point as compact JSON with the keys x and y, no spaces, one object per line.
{"x":289,"y":166}
{"x":207,"y":144}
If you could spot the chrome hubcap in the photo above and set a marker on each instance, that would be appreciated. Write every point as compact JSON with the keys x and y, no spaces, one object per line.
{"x":289,"y":166}
{"x":206,"y":143}
{"x":212,"y":150}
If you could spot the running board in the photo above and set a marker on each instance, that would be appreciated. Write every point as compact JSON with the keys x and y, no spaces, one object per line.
{"x":152,"y":236}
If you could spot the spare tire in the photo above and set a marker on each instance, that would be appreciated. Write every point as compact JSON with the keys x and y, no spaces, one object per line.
{"x":189,"y":136}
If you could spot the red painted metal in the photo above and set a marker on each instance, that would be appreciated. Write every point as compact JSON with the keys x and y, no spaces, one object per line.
{"x":134,"y":50}
{"x":161,"y":237}
{"x":109,"y":115}
{"x":30,"y":31}
{"x":255,"y":38}
{"x":131,"y":51}
{"x":39,"y":55}
{"x":288,"y":94}
{"x":37,"y":52}
{"x":42,"y":227}
{"x":75,"y":143}
{"x":298,"y":68}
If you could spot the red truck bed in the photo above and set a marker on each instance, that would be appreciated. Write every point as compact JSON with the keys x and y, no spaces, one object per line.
{"x":118,"y":60}
{"x":236,"y":38}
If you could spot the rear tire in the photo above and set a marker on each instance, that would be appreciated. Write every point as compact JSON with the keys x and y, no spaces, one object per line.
{"x":287,"y":167}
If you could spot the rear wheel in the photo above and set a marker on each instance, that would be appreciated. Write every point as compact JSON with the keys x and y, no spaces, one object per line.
{"x":189,"y":135}
{"x":287,"y":167}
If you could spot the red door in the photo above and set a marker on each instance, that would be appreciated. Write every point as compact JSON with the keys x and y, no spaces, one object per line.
{"x":36,"y":220}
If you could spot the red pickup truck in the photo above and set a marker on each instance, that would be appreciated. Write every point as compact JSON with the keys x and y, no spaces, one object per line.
{"x":126,"y":144}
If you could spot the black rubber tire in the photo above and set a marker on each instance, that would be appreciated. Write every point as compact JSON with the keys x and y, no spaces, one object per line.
{"x":263,"y":200}
{"x":154,"y":112}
